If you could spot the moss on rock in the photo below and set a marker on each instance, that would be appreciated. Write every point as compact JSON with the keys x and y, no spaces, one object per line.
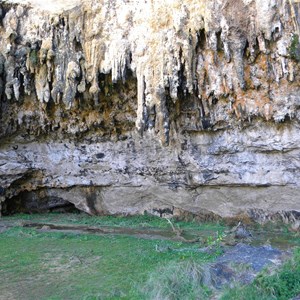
{"x":294,"y":49}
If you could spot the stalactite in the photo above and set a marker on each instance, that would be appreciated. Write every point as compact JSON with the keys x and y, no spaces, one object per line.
{"x":203,"y":48}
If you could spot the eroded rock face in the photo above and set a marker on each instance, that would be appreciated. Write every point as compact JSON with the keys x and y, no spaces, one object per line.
{"x":131,"y":106}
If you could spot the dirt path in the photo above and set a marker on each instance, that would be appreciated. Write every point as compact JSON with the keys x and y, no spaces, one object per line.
{"x":143,"y":233}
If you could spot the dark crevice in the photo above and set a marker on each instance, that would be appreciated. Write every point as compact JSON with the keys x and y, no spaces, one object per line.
{"x":220,"y":45}
{"x":77,"y":45}
{"x":201,"y":45}
{"x":36,"y":202}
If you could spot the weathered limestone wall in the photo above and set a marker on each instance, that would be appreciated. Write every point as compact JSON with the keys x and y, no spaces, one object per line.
{"x":126,"y":106}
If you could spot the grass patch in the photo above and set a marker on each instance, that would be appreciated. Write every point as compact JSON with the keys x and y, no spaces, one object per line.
{"x":59,"y":265}
{"x":282,"y":285}
{"x":178,"y":281}
{"x":71,"y":265}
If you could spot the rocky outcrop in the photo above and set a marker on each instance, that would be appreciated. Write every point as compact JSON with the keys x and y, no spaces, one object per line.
{"x":133,"y":106}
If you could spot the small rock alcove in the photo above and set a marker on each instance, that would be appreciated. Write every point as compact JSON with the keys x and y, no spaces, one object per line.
{"x":36,"y":202}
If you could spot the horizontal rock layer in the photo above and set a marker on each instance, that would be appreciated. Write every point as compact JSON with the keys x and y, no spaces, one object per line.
{"x":133,"y":106}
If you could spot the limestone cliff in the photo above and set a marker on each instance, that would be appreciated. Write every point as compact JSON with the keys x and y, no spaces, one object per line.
{"x":126,"y":106}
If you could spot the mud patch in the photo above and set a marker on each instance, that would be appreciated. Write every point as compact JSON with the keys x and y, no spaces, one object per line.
{"x":141,"y":233}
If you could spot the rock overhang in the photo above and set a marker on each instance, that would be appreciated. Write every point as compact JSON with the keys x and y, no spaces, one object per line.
{"x":210,"y":86}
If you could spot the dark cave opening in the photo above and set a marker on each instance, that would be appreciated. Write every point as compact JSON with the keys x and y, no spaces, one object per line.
{"x":32,"y":202}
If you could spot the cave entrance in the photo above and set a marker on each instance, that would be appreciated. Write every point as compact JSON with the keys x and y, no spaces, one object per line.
{"x":36,"y":202}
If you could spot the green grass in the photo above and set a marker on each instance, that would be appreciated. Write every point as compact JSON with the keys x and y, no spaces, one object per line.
{"x":57,"y":265}
{"x":284,"y":284}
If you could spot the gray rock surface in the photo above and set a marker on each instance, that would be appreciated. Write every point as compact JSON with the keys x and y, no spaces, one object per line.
{"x":126,"y":107}
{"x":242,"y":263}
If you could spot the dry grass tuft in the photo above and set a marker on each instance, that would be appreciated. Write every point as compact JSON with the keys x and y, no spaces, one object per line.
{"x":185,"y":280}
